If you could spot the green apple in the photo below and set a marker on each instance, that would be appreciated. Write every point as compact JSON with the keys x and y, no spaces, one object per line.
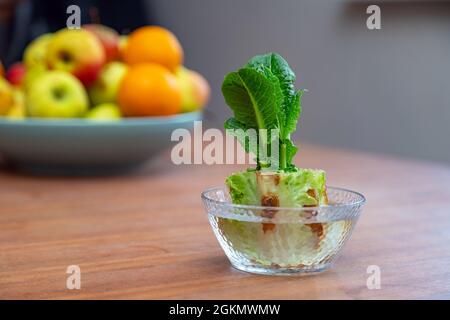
{"x":194,"y":89}
{"x":106,"y":86}
{"x":36,"y":52}
{"x":104,"y":112}
{"x":56,"y":94}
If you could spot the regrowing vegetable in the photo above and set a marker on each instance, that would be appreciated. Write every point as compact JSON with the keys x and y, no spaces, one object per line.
{"x":271,"y":233}
{"x":262,"y":96}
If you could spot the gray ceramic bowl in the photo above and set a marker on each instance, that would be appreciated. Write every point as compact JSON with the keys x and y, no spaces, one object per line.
{"x":79,"y":144}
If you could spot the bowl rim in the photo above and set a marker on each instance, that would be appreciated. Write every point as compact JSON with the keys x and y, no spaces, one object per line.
{"x":360,"y":202}
{"x":84,"y":122}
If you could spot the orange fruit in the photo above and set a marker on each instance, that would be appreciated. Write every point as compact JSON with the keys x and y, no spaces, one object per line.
{"x":153,"y":44}
{"x":149,"y":89}
{"x":2,"y":70}
{"x":6,"y":96}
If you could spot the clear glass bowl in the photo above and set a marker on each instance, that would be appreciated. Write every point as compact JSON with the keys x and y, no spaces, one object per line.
{"x":287,"y":241}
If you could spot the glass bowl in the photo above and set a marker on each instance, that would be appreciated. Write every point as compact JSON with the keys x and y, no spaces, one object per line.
{"x":280,"y":240}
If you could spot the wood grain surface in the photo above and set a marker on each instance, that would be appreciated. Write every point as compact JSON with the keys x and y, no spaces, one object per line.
{"x":144,"y":235}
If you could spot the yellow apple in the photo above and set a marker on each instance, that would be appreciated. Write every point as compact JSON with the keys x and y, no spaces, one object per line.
{"x":78,"y":52}
{"x":36,"y":52}
{"x":194,"y":89}
{"x":104,"y":112}
{"x":106,"y":86}
{"x":17,"y":110}
{"x":32,"y":74}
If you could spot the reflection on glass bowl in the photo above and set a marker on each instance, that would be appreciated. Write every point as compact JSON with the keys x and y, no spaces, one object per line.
{"x":293,"y":241}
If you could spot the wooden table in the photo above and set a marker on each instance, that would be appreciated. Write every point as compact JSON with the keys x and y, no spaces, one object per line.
{"x":145,"y":235}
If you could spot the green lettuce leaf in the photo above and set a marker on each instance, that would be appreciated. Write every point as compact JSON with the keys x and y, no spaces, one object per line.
{"x":286,"y":78}
{"x":254,"y":98}
{"x":243,"y":188}
{"x":262,"y":96}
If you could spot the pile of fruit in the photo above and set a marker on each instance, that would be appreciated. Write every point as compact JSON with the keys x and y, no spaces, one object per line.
{"x":95,"y":73}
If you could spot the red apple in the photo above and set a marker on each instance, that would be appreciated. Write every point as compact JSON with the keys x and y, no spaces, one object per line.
{"x":78,"y":52}
{"x":16,"y":73}
{"x":109,"y":39}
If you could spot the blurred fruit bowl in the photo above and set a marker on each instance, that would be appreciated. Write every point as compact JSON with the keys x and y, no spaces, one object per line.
{"x":95,"y":99}
{"x":80,"y":145}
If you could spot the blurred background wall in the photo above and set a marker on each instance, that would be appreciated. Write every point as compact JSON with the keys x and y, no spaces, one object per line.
{"x":385,"y":91}
{"x":382,"y":90}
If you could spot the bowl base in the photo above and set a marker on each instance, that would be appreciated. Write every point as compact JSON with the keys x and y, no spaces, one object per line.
{"x":272,"y":271}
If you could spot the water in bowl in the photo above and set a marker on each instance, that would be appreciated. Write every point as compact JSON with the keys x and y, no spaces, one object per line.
{"x":281,"y":248}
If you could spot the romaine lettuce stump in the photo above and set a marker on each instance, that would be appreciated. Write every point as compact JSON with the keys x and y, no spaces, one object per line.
{"x":262,"y":95}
